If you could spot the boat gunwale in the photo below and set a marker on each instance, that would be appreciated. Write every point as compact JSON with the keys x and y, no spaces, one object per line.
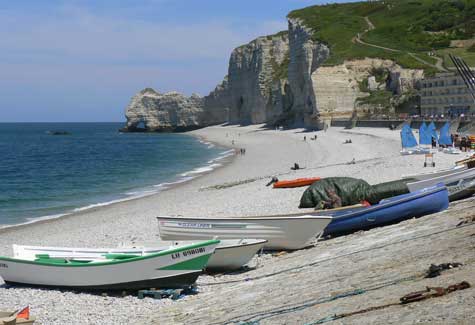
{"x":114,"y":262}
{"x":440,"y":179}
{"x":144,"y":249}
{"x":295,"y":216}
{"x":449,"y":171}
{"x":257,"y":242}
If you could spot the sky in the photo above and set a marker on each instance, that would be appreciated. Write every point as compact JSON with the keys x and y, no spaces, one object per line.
{"x":82,"y":60}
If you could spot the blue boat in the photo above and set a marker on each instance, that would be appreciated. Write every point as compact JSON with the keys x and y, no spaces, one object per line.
{"x":416,"y":204}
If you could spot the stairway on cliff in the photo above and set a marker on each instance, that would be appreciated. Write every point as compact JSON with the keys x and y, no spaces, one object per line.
{"x":467,"y":129}
{"x":454,"y":125}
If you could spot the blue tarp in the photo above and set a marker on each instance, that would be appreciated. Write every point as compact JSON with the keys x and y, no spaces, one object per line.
{"x":432,"y":131}
{"x":407,"y":138}
{"x":445,"y":137}
{"x":424,"y":135}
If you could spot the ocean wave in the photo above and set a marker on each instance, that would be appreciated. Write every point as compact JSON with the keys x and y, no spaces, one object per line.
{"x":201,"y":170}
{"x":166,"y":185}
{"x":36,"y":219}
{"x":101,"y":204}
{"x":139,"y":193}
{"x":223,"y":155}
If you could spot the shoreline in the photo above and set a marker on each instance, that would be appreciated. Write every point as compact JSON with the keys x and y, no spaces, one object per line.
{"x":225,"y":158}
{"x":239,"y":189}
{"x":226,"y":162}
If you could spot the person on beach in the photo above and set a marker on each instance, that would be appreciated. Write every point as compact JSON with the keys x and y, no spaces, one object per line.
{"x":463,"y":144}
{"x":334,"y":200}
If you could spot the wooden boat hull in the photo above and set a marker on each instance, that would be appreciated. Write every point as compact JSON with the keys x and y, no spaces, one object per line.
{"x":281,"y":233}
{"x":388,"y":211}
{"x":296,"y":182}
{"x":444,"y":179}
{"x":174,"y":268}
{"x":228,"y":255}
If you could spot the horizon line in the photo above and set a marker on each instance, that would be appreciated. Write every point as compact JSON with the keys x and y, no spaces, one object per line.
{"x":7,"y":122}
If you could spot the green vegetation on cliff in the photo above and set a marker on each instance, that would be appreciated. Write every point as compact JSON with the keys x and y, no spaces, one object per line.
{"x":400,"y":30}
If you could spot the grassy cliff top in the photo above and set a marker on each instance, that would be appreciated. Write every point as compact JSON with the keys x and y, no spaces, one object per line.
{"x":401,"y":30}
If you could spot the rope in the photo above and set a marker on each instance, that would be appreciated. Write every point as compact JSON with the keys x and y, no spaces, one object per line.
{"x":337,"y":257}
{"x":289,"y":309}
{"x":411,"y":297}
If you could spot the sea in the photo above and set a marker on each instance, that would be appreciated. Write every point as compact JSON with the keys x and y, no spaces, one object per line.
{"x":43,"y":175}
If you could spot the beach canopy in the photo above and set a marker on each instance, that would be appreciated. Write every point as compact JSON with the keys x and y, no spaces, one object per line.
{"x":445,"y":137}
{"x":432,"y":131}
{"x":424,"y":135}
{"x":407,"y":137}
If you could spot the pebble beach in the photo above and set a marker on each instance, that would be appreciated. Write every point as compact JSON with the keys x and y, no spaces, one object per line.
{"x":362,"y":270}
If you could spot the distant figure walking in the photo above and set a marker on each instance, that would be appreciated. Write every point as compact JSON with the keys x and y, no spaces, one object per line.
{"x":463,"y":144}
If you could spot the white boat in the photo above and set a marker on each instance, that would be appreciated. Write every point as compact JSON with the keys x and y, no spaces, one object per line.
{"x":421,"y":177}
{"x":280,"y":232}
{"x":414,"y":151}
{"x":173,"y":268}
{"x":452,"y":151}
{"x":447,"y":179}
{"x":230,"y":254}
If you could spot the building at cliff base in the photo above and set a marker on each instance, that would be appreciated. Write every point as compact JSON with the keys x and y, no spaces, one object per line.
{"x":445,"y":94}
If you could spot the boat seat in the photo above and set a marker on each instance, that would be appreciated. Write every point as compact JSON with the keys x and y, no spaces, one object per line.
{"x":45,"y":258}
{"x":120,"y":256}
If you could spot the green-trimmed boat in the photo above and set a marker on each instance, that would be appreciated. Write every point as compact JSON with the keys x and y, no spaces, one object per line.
{"x":173,"y":268}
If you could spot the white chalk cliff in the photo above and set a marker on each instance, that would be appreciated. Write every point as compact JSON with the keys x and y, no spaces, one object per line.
{"x":276,"y":79}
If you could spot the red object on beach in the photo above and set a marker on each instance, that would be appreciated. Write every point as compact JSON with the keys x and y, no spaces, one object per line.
{"x":298,"y":182}
{"x":24,"y":313}
{"x":365,"y":203}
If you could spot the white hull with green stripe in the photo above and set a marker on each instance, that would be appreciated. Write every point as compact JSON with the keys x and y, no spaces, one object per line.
{"x":173,"y":268}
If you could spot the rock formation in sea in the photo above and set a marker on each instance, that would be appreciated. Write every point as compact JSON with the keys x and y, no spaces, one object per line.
{"x":152,"y":111}
{"x":275,"y":79}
